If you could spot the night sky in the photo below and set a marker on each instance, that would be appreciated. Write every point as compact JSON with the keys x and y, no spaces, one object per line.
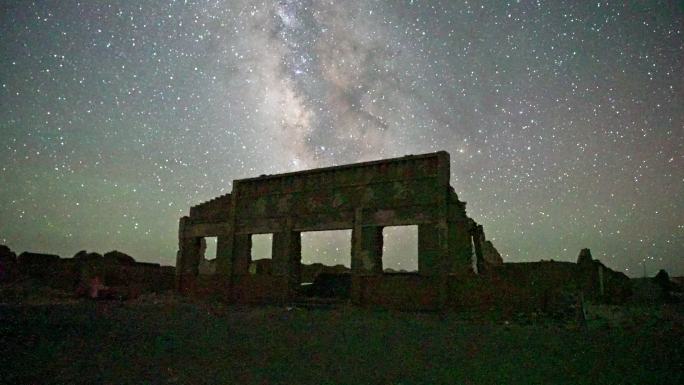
{"x":564,"y":120}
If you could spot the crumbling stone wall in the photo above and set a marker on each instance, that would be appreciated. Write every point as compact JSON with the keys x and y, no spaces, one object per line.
{"x":487,"y":257}
{"x":363,"y":197}
{"x":601,"y":283}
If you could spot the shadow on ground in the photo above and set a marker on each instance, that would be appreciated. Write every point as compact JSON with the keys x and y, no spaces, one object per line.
{"x":176,"y":341}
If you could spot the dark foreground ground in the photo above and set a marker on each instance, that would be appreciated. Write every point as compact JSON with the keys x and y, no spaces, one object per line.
{"x":174,"y":341}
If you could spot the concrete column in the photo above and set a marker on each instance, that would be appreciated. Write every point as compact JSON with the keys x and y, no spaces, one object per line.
{"x":460,"y":256}
{"x":189,"y":255}
{"x":366,"y":255}
{"x":242,"y":249}
{"x":287,"y":256}
{"x":224,"y":255}
{"x":366,"y":250}
{"x":430,"y":257}
{"x":187,"y":258}
{"x":366,"y":258}
{"x":187,"y":263}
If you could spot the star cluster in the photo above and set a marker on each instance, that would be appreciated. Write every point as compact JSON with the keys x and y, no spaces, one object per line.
{"x":564,"y":119}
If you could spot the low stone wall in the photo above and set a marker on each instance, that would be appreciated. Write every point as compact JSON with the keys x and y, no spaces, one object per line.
{"x":546,"y":287}
{"x":73,"y":274}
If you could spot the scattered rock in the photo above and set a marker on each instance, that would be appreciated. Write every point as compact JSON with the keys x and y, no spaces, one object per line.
{"x":6,"y":254}
{"x":29,"y":259}
{"x":662,"y":279}
{"x":669,"y":290}
{"x":8,"y":264}
{"x":119,"y":258}
{"x":584,"y":257}
{"x":310,"y":272}
{"x":84,"y":256}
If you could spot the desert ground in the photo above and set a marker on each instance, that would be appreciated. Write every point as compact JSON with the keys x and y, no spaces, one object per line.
{"x":162,"y":338}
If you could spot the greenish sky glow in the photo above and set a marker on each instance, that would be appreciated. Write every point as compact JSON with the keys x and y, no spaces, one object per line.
{"x":563,"y":119}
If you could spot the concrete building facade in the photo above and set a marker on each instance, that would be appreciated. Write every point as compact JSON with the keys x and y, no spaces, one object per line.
{"x":364,"y":197}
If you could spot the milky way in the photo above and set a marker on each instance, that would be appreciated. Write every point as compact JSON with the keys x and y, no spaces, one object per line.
{"x":564,"y":120}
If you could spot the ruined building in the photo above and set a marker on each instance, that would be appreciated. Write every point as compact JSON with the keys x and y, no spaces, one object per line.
{"x":363,"y":197}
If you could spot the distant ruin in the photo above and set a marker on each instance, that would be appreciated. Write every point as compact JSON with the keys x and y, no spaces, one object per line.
{"x":363,"y":197}
{"x":114,"y":275}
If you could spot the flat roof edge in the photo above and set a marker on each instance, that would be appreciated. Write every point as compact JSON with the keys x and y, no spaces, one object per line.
{"x":343,"y":166}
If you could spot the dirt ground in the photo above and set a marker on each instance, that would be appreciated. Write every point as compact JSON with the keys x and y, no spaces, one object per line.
{"x":159,"y":339}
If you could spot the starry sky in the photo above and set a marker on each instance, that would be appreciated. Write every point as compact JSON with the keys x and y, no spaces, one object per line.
{"x":564,"y":119}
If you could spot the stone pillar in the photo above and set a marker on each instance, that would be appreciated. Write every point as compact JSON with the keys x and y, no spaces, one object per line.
{"x":366,"y":250}
{"x":187,"y":258}
{"x":224,"y":255}
{"x":461,"y":247}
{"x":366,"y":255}
{"x":287,"y":255}
{"x":432,"y":249}
{"x":242,"y":249}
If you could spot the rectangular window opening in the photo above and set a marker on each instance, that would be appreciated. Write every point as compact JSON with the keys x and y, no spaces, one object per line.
{"x":328,"y":248}
{"x":400,"y":249}
{"x":207,"y":264}
{"x":326,"y":262}
{"x":261,"y":254}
